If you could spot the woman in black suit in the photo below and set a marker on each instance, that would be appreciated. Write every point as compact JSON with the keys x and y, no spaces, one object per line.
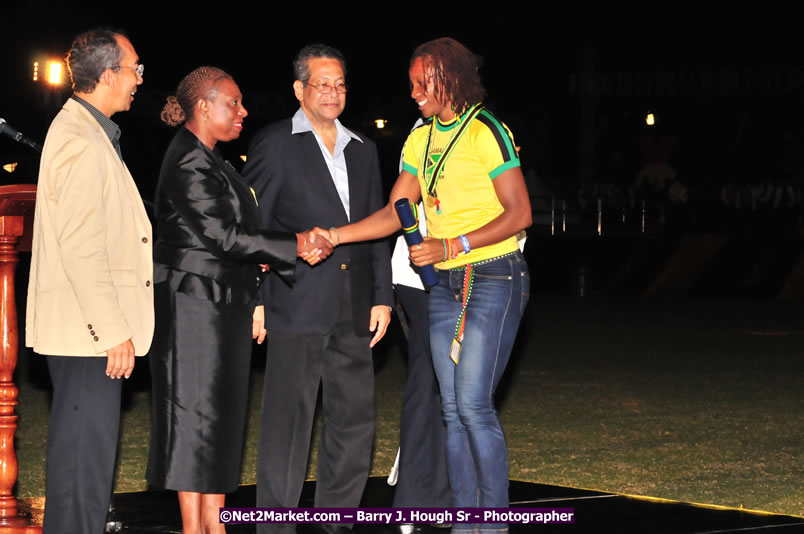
{"x":207,"y":277}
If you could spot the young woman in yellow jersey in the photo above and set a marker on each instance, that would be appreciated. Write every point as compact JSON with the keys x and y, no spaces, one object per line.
{"x":463,"y":162}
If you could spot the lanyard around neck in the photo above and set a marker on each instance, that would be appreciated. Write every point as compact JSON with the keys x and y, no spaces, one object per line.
{"x":432,"y":181}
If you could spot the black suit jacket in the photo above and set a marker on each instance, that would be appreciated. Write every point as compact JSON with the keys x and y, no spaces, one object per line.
{"x":208,"y":223}
{"x":296,"y":192}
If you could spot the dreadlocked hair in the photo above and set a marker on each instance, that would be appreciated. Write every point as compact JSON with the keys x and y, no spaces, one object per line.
{"x":200,"y":83}
{"x":455,"y":76}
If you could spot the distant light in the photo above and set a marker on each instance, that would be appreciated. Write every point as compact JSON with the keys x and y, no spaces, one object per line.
{"x":650,"y":120}
{"x":55,"y":73}
{"x":36,"y":71}
{"x":380,"y":123}
{"x":243,"y":157}
{"x":10,"y":167}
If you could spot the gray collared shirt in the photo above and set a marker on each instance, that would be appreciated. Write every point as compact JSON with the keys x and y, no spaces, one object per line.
{"x":110,"y":127}
{"x":336,"y":162}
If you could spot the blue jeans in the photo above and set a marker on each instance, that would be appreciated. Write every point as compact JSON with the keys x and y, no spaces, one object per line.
{"x":477,"y":460}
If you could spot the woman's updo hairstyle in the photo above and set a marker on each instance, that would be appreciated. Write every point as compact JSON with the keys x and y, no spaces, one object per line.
{"x":199,"y":84}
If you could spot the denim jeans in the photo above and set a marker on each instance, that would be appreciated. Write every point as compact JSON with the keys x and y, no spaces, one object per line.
{"x":477,"y":460}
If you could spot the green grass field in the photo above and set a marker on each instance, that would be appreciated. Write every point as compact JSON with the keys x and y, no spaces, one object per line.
{"x":691,"y":400}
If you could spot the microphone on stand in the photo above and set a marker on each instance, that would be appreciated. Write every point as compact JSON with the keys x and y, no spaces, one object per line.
{"x":16,"y":135}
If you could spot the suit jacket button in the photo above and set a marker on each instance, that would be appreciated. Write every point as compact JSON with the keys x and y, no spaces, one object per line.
{"x":148,"y":283}
{"x":144,"y":239}
{"x":95,"y":338}
{"x":343,"y":266}
{"x":92,"y":332}
{"x":89,"y":326}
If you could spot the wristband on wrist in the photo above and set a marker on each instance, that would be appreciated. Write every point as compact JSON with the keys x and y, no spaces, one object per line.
{"x":453,"y":249}
{"x":444,"y":241}
{"x":465,"y":243}
{"x":337,"y":235}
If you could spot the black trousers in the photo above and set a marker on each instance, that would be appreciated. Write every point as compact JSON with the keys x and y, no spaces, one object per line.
{"x":81,"y":445}
{"x":422,"y":478}
{"x":296,"y":364}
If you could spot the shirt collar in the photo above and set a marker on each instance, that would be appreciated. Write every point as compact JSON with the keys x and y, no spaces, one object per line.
{"x":109,"y":126}
{"x":301,"y":124}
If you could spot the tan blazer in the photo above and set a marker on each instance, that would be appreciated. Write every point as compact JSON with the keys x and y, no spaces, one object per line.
{"x":91,"y":281}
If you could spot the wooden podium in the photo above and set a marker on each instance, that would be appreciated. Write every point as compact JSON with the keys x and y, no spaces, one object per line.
{"x":16,"y":229}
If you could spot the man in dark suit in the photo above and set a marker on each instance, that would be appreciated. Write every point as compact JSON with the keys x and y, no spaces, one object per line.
{"x":311,"y":171}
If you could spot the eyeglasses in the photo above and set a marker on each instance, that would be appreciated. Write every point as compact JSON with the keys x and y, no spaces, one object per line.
{"x":139,"y":69}
{"x":325,"y":88}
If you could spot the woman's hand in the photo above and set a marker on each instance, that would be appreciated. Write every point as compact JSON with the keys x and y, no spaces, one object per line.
{"x":258,"y":330}
{"x":334,"y":236}
{"x":428,"y":252}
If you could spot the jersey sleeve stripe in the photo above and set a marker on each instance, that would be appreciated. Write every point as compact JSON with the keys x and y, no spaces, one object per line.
{"x":410,"y":168}
{"x":507,"y":148}
{"x":504,"y":167}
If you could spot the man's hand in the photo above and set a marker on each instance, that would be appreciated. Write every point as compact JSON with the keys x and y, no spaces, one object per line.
{"x":313,"y":245}
{"x":380,"y":319}
{"x":120,"y":360}
{"x":258,"y":330}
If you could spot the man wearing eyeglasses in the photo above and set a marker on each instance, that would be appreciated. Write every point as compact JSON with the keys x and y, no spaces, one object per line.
{"x":90,"y":293}
{"x":311,"y":170}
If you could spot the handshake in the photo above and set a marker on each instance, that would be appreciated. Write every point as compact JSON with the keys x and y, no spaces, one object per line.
{"x":313,"y":246}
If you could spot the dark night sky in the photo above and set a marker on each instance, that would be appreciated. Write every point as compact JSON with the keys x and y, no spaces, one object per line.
{"x":519,"y":50}
{"x":529,"y":59}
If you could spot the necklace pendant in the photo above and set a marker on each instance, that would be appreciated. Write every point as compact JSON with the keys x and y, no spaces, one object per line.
{"x":431,"y":200}
{"x":455,"y":351}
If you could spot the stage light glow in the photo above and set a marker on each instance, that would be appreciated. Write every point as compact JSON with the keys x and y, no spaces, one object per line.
{"x":36,"y":71}
{"x":380,"y":123}
{"x":10,"y":167}
{"x":243,"y":157}
{"x":55,"y":73}
{"x":650,"y":119}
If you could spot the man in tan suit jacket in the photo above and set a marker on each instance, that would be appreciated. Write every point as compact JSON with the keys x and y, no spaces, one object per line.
{"x":90,"y":294}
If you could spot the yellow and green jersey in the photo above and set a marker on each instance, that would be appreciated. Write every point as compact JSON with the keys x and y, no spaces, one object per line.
{"x":464,"y":188}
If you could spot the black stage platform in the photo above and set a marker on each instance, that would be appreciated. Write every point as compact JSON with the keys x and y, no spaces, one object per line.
{"x":156,"y":512}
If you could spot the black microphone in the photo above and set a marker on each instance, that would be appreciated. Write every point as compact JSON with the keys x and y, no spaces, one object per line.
{"x":16,"y":135}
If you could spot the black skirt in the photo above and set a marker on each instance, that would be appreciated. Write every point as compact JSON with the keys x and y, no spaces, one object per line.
{"x":200,"y":362}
